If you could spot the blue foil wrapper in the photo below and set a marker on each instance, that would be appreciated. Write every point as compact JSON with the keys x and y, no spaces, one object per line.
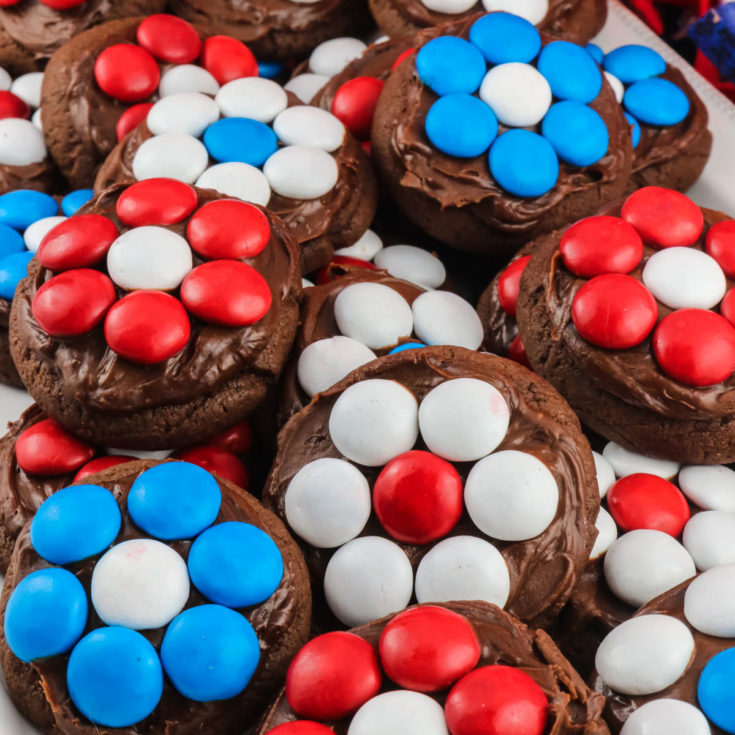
{"x":714,"y":34}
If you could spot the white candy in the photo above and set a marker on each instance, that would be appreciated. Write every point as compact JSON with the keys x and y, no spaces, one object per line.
{"x":254,"y":97}
{"x":306,"y":283}
{"x":624,"y":462}
{"x":187,"y":78}
{"x":533,"y":11}
{"x":141,"y":453}
{"x":38,"y":230}
{"x":28,"y":88}
{"x":643,"y":563}
{"x":186,"y":112}
{"x":684,"y":278}
{"x":171,"y":155}
{"x":518,"y":94}
{"x":464,"y":419}
{"x":617,"y":86}
{"x":149,"y":257}
{"x":607,"y":532}
{"x":709,"y":602}
{"x":238,"y":180}
{"x":366,"y":579}
{"x":330,"y":57}
{"x":511,"y":495}
{"x":301,"y":172}
{"x":328,"y":502}
{"x":36,"y":119}
{"x":710,"y":487}
{"x":400,"y":711}
{"x":443,"y":318}
{"x":21,"y":142}
{"x":605,"y":474}
{"x":326,"y":362}
{"x":412,"y":264}
{"x":708,"y":537}
{"x":306,"y":125}
{"x":666,"y":717}
{"x":365,"y":248}
{"x":374,"y":421}
{"x":5,"y":80}
{"x":373,"y":313}
{"x":463,"y":568}
{"x":645,"y":654}
{"x":449,"y":6}
{"x":305,"y":86}
{"x":140,"y":584}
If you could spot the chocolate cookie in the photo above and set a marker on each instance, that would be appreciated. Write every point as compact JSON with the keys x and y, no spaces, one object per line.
{"x":158,"y":316}
{"x":631,"y":335}
{"x":488,"y":173}
{"x":211,"y":579}
{"x":462,"y":664}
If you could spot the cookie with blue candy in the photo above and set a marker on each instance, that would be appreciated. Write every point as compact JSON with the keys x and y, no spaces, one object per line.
{"x":151,"y":597}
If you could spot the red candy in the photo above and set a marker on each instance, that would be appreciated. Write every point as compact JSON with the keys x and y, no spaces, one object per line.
{"x":63,"y":4}
{"x":228,"y":228}
{"x":332,"y":676}
{"x":127,"y":72}
{"x":12,"y":106}
{"x":664,"y":218}
{"x":169,"y":38}
{"x":226,"y":292}
{"x":8,"y":3}
{"x":336,"y":267}
{"x":509,"y":285}
{"x":727,"y":306}
{"x":101,"y":463}
{"x":238,"y":439}
{"x":401,"y":58}
{"x":496,"y":700}
{"x":418,"y":497}
{"x":354,"y":104}
{"x":227,"y":58}
{"x":215,"y":459}
{"x":517,"y":352}
{"x":614,"y":311}
{"x":131,"y":118}
{"x":77,"y":242}
{"x":156,"y":202}
{"x":46,"y":449}
{"x":428,"y":648}
{"x":720,"y":244}
{"x":695,"y":346}
{"x":648,"y":501}
{"x":301,"y":727}
{"x":73,"y":303}
{"x":147,"y":327}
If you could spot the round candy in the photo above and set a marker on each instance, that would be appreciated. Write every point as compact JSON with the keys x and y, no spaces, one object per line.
{"x":656,"y":102}
{"x":131,"y":118}
{"x":127,"y":72}
{"x":227,"y":58}
{"x":185,"y":112}
{"x":710,"y":487}
{"x":46,"y":449}
{"x":412,"y":264}
{"x":625,"y":462}
{"x":300,"y":727}
{"x":517,"y":93}
{"x":708,"y":538}
{"x":252,"y":97}
{"x":450,"y":65}
{"x":635,"y":129}
{"x":77,"y":243}
{"x":607,"y":533}
{"x":443,"y":318}
{"x":11,"y":105}
{"x":330,"y":57}
{"x":240,"y":139}
{"x":306,"y":125}
{"x":505,"y":37}
{"x":670,"y":716}
{"x":715,"y":690}
{"x":401,"y":711}
{"x":534,"y":11}
{"x":21,"y":143}
{"x":156,"y":202}
{"x":327,"y":361}
{"x":407,"y":346}
{"x":449,"y":6}
{"x":632,"y":62}
{"x":217,"y":461}
{"x":595,"y":52}
{"x":617,"y":87}
{"x":239,"y":180}
{"x":709,"y":602}
{"x":305,"y":86}
{"x":461,"y":125}
{"x":524,"y":163}
{"x":21,"y":208}
{"x":570,"y":71}
{"x":187,"y":78}
{"x":354,"y":104}
{"x":98,"y":464}
{"x":13,"y":269}
{"x":605,"y":473}
{"x":301,"y":172}
{"x":38,"y":230}
{"x":720,"y":244}
{"x":169,"y":38}
{"x":577,"y":133}
{"x":171,"y":155}
{"x":509,"y":284}
{"x":228,"y":229}
{"x":11,"y":241}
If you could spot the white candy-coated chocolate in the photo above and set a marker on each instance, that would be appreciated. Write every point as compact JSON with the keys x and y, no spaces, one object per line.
{"x":28,"y":88}
{"x":171,"y":155}
{"x":5,"y":80}
{"x":443,"y":318}
{"x":605,"y":473}
{"x":21,"y":142}
{"x":533,"y":11}
{"x":306,"y":283}
{"x":238,"y":180}
{"x":330,"y":57}
{"x":327,"y":361}
{"x":666,"y":717}
{"x":617,"y":86}
{"x":306,"y":125}
{"x":253,"y":97}
{"x":38,"y":230}
{"x":518,"y":94}
{"x":450,"y":7}
{"x":141,"y":453}
{"x":624,"y":462}
{"x":399,"y":711}
{"x":607,"y":532}
{"x":709,"y":602}
{"x":36,"y":119}
{"x":708,"y":537}
{"x":711,"y":487}
{"x":305,"y":86}
{"x":187,"y":78}
{"x":366,"y":248}
{"x":412,"y":264}
{"x":186,"y":112}
{"x":301,"y":172}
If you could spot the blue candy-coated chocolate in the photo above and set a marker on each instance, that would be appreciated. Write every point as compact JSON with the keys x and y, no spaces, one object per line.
{"x":633,"y":62}
{"x":11,"y":241}
{"x":114,"y":677}
{"x":46,"y":614}
{"x":570,"y":71}
{"x":240,"y":139}
{"x":174,"y":500}
{"x":407,"y":346}
{"x":656,"y":102}
{"x":75,"y":523}
{"x":577,"y":133}
{"x":524,"y":163}
{"x":270,"y":69}
{"x":210,"y":653}
{"x":13,"y":268}
{"x":636,"y":129}
{"x":504,"y":37}
{"x":23,"y":207}
{"x":235,"y":564}
{"x":715,"y":690}
{"x":595,"y":52}
{"x":74,"y":200}
{"x":461,"y":125}
{"x":451,"y":65}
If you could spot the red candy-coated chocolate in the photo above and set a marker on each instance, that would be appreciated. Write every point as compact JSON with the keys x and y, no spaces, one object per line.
{"x":727,"y":306}
{"x":228,"y":228}
{"x":418,"y":497}
{"x":226,"y":292}
{"x":428,"y":648}
{"x":614,"y":311}
{"x":73,"y":303}
{"x":12,"y":106}
{"x":509,"y":285}
{"x":127,"y":72}
{"x":77,"y":242}
{"x":401,"y":58}
{"x":354,"y":104}
{"x":63,"y":4}
{"x":648,"y":501}
{"x":517,"y":352}
{"x":238,"y":439}
{"x":332,"y":676}
{"x":301,"y":727}
{"x":101,"y":463}
{"x":216,"y":459}
{"x":8,"y":3}
{"x":46,"y":449}
{"x":330,"y":273}
{"x":720,"y":244}
{"x":695,"y":346}
{"x":599,"y":245}
{"x":664,"y":218}
{"x":169,"y":38}
{"x":496,"y":700}
{"x":131,"y":118}
{"x":147,"y":327}
{"x":227,"y":58}
{"x":156,"y":202}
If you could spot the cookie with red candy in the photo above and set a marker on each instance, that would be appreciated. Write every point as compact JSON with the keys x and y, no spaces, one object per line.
{"x":157,"y":316}
{"x":636,"y":334}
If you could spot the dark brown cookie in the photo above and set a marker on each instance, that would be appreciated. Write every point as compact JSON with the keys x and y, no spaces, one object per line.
{"x":8,"y":372}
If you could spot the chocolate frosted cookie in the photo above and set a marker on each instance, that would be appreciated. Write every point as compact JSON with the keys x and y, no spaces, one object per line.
{"x":151,"y":569}
{"x":493,"y":134}
{"x":158,"y":316}
{"x":461,"y":667}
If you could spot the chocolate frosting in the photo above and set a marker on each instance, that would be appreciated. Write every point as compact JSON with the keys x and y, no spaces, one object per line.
{"x":41,"y":176}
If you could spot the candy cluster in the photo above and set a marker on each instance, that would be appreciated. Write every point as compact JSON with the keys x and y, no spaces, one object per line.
{"x":534,"y":11}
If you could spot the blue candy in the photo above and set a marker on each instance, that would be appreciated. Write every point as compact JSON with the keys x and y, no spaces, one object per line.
{"x":23,"y":207}
{"x":595,"y":52}
{"x":46,"y":614}
{"x":75,"y":523}
{"x":636,"y":131}
{"x":407,"y":346}
{"x":11,"y":241}
{"x":577,"y":133}
{"x":210,"y":653}
{"x":114,"y":677}
{"x":715,"y":690}
{"x":656,"y":102}
{"x":503,"y":37}
{"x":633,"y":62}
{"x":570,"y":71}
{"x":175,"y":500}
{"x":524,"y":163}
{"x":235,"y":564}
{"x":270,"y":69}
{"x":13,"y":269}
{"x":461,"y":125}
{"x":450,"y":65}
{"x":75,"y":200}
{"x":240,"y":139}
